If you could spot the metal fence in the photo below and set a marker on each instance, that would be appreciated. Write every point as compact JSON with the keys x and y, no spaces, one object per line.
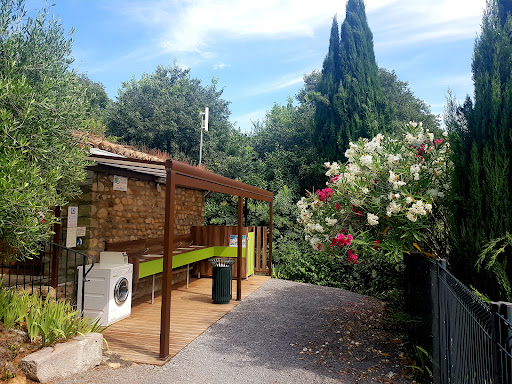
{"x":470,"y":341}
{"x":53,"y":272}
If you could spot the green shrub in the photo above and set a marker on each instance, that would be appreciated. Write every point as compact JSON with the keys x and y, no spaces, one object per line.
{"x":295,"y":260}
{"x":44,"y":320}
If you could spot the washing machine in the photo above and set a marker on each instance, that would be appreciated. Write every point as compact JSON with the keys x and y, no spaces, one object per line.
{"x":108,"y":289}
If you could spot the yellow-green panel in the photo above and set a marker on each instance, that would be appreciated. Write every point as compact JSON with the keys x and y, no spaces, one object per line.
{"x":152,"y":267}
{"x":227,"y":251}
{"x":250,"y":254}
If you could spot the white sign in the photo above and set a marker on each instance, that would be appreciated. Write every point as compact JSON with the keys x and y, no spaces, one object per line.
{"x":120,"y":183}
{"x":80,"y":231}
{"x":72,"y":217}
{"x":71,"y":237}
{"x":233,"y":241}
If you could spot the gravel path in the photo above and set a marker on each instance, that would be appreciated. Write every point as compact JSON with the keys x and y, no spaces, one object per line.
{"x":285,"y":332}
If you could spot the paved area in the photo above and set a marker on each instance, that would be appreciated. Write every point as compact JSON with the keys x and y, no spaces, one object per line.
{"x":285,"y":332}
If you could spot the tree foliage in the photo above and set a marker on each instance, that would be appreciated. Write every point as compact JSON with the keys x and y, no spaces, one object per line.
{"x":403,"y":106}
{"x":482,"y":140}
{"x":41,"y":105}
{"x":350,"y":103}
{"x":162,"y":110}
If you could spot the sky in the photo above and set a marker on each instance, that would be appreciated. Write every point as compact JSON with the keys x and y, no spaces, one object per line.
{"x":260,"y":50}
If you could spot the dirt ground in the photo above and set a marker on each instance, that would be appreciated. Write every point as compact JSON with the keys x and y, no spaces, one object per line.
{"x":14,"y":346}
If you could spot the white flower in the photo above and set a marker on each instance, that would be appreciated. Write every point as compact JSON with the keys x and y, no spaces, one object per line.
{"x":366,"y":191}
{"x":393,"y":207}
{"x":415,"y":168}
{"x":373,"y":219}
{"x":314,"y":241}
{"x":333,"y":170}
{"x":393,"y":159}
{"x":397,"y":184}
{"x":428,"y":207}
{"x":330,"y":222}
{"x":392,"y":177}
{"x":366,"y":160}
{"x":408,"y":199}
{"x":411,"y":216}
{"x":418,"y":208}
{"x":302,"y":203}
{"x":445,"y":133}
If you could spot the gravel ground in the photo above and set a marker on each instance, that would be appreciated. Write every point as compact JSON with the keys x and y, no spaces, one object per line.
{"x":285,"y":332}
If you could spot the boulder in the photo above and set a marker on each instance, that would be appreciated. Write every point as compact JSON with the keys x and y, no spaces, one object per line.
{"x":65,"y":359}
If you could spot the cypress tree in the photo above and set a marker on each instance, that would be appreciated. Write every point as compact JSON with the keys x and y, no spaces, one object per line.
{"x":350,"y":103}
{"x":327,"y":120}
{"x":482,"y":143}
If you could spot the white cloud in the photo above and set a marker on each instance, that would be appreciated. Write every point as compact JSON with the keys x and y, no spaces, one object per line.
{"x":194,"y":25}
{"x":220,"y":66}
{"x":404,"y":22}
{"x":285,"y":81}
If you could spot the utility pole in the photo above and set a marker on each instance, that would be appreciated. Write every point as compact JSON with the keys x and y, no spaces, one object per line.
{"x":204,"y":127}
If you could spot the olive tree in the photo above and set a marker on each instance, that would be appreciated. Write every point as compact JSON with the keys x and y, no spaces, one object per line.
{"x":42,"y":120}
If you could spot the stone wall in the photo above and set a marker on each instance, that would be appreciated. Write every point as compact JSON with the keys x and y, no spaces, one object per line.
{"x":137,"y":213}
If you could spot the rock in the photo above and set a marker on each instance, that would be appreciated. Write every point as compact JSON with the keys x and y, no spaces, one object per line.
{"x":65,"y":359}
{"x":114,"y":365}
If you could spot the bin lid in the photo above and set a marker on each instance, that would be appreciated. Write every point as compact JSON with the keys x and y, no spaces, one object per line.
{"x":222,"y":261}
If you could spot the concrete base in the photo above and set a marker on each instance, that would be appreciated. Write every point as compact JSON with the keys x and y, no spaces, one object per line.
{"x":66,"y":359}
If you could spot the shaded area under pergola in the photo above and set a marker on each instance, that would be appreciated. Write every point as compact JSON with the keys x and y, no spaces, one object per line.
{"x":187,"y":176}
{"x":178,"y":174}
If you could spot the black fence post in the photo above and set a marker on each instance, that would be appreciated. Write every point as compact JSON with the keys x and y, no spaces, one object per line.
{"x":496,"y":338}
{"x":436,"y":273}
{"x":506,"y":342}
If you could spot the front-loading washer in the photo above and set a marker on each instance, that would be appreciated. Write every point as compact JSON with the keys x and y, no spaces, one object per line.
{"x":107,"y":292}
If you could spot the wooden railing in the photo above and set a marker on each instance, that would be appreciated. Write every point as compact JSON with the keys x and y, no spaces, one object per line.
{"x":261,"y":252}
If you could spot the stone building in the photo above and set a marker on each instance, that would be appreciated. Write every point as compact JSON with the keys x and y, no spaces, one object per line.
{"x":134,"y":211}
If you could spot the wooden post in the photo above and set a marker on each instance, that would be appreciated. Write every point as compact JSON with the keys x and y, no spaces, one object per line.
{"x":257,"y":238}
{"x":264,"y":250}
{"x":270,"y":241}
{"x":239,"y":253}
{"x":165,"y":317}
{"x":54,"y":278}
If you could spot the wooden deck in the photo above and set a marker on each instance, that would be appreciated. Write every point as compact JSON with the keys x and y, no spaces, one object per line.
{"x":137,"y":338}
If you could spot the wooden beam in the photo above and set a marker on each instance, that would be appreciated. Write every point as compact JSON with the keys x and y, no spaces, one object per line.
{"x":270,"y":225}
{"x":239,"y":253}
{"x":165,"y":316}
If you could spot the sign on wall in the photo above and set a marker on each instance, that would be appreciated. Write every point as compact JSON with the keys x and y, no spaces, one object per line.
{"x":233,"y":241}
{"x":120,"y":183}
{"x":71,"y":227}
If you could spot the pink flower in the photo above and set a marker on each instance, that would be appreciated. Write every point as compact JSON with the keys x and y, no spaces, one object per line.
{"x":335,"y":178}
{"x":324,"y":194}
{"x":351,"y":256}
{"x":337,"y":206}
{"x":438,"y":141}
{"x":340,"y":240}
{"x":376,"y":246}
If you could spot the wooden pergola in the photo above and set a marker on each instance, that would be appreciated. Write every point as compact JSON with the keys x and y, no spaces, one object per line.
{"x":187,"y":176}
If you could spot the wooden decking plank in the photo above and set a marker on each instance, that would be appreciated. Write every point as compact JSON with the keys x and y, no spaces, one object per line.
{"x":137,"y":338}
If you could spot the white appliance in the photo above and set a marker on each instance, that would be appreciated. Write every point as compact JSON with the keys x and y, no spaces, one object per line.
{"x":108,"y":288}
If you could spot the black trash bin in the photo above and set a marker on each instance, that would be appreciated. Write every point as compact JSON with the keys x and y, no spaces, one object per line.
{"x":221,"y":280}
